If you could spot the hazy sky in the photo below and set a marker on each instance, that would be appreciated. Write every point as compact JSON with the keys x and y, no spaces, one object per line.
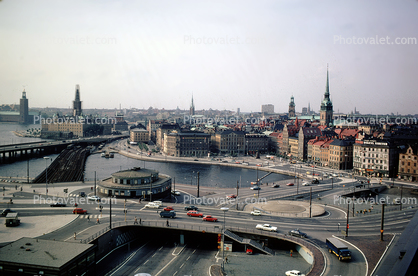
{"x":228,"y":54}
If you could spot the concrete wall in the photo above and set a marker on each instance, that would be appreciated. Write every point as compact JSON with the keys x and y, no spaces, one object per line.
{"x":305,"y":253}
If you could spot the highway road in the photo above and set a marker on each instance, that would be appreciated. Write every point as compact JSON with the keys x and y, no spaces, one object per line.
{"x":163,"y":258}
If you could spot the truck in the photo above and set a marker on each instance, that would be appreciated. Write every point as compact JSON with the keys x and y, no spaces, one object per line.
{"x":12,"y":219}
{"x":338,"y":248}
{"x":167,"y":214}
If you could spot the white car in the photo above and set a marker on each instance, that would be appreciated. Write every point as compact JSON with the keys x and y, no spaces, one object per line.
{"x":294,"y":273}
{"x":95,"y":198}
{"x":266,"y":227}
{"x":177,"y":193}
{"x":256,"y":213}
{"x":152,"y":205}
{"x":306,"y":184}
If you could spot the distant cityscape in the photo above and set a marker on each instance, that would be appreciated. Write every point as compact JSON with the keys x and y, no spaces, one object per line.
{"x":367,"y":145}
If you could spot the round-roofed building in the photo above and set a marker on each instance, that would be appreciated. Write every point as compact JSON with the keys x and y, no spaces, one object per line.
{"x":136,"y":182}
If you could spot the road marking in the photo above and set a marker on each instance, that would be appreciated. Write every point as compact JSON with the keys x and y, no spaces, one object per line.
{"x":175,"y":257}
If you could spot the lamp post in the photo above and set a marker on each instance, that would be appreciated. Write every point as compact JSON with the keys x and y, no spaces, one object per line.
{"x":46,"y":173}
{"x":224,"y":209}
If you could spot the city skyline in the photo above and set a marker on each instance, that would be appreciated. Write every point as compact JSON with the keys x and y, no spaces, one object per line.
{"x":227,"y":55}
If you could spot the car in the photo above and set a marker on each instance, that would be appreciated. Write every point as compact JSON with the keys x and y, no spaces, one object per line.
{"x":334,"y":175}
{"x":158,"y":202}
{"x":210,"y":218}
{"x":82,"y":194}
{"x":290,"y":184}
{"x":259,"y":165}
{"x":294,"y":273}
{"x":168,"y":208}
{"x":191,"y":207}
{"x":168,"y":214}
{"x":249,"y":251}
{"x":5,"y":212}
{"x":315,"y":181}
{"x":256,"y":213}
{"x":266,"y":227}
{"x":231,"y":196}
{"x":255,"y":188}
{"x":297,"y":233}
{"x":306,"y":184}
{"x":79,"y":211}
{"x":152,"y":205}
{"x":95,"y":198}
{"x":276,"y":185}
{"x":176,"y":193}
{"x":194,"y":214}
{"x":58,"y":204}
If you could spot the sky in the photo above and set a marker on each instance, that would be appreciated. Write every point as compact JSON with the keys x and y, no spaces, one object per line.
{"x":227,"y":54}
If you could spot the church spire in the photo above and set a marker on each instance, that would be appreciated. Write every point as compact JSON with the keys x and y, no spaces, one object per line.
{"x":192,"y":111}
{"x":327,"y":86}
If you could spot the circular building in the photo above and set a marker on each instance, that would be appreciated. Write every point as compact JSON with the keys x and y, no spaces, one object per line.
{"x":136,"y":182}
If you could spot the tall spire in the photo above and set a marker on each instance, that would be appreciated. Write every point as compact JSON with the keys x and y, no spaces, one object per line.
{"x":192,"y":111}
{"x":327,"y":86}
{"x":77,"y":103}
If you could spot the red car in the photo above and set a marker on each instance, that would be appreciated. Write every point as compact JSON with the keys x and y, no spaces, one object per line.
{"x":231,"y":196}
{"x":168,"y":208}
{"x":210,"y":218}
{"x":79,"y":211}
{"x":290,"y":184}
{"x":194,"y":214}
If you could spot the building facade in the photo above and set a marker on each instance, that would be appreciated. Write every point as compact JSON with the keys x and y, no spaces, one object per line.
{"x":187,"y":144}
{"x":255,"y":143}
{"x":137,"y":182}
{"x":139,"y":135}
{"x":408,"y":164}
{"x":267,"y":108}
{"x":374,"y":157}
{"x":165,"y":129}
{"x":341,"y":154}
{"x":230,"y":142}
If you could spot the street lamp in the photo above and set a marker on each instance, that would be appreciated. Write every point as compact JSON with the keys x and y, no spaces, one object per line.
{"x":46,"y":173}
{"x":224,"y":209}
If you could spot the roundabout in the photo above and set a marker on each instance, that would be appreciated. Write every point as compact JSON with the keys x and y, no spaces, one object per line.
{"x":286,"y":208}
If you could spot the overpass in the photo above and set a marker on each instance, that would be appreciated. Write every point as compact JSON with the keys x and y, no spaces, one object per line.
{"x":119,"y":233}
{"x":23,"y":151}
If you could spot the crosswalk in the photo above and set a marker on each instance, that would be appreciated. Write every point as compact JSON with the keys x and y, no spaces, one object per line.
{"x":93,"y":216}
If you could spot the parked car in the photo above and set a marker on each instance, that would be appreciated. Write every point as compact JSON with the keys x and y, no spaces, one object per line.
{"x":297,"y":233}
{"x":294,"y":273}
{"x":255,"y":188}
{"x":5,"y":212}
{"x":290,"y":184}
{"x":256,"y":213}
{"x":210,"y":218}
{"x":194,"y":214}
{"x":79,"y":211}
{"x":168,"y":208}
{"x":191,"y":207}
{"x":266,"y":227}
{"x":58,"y":204}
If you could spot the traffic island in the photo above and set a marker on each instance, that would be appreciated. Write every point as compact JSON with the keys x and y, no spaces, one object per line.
{"x":286,"y":208}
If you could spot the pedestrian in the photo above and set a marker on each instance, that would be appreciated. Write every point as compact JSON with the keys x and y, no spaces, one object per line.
{"x":136,"y":221}
{"x":98,"y":221}
{"x":226,"y":259}
{"x":75,"y":236}
{"x":88,"y":217}
{"x":140,"y":220}
{"x":168,"y":224}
